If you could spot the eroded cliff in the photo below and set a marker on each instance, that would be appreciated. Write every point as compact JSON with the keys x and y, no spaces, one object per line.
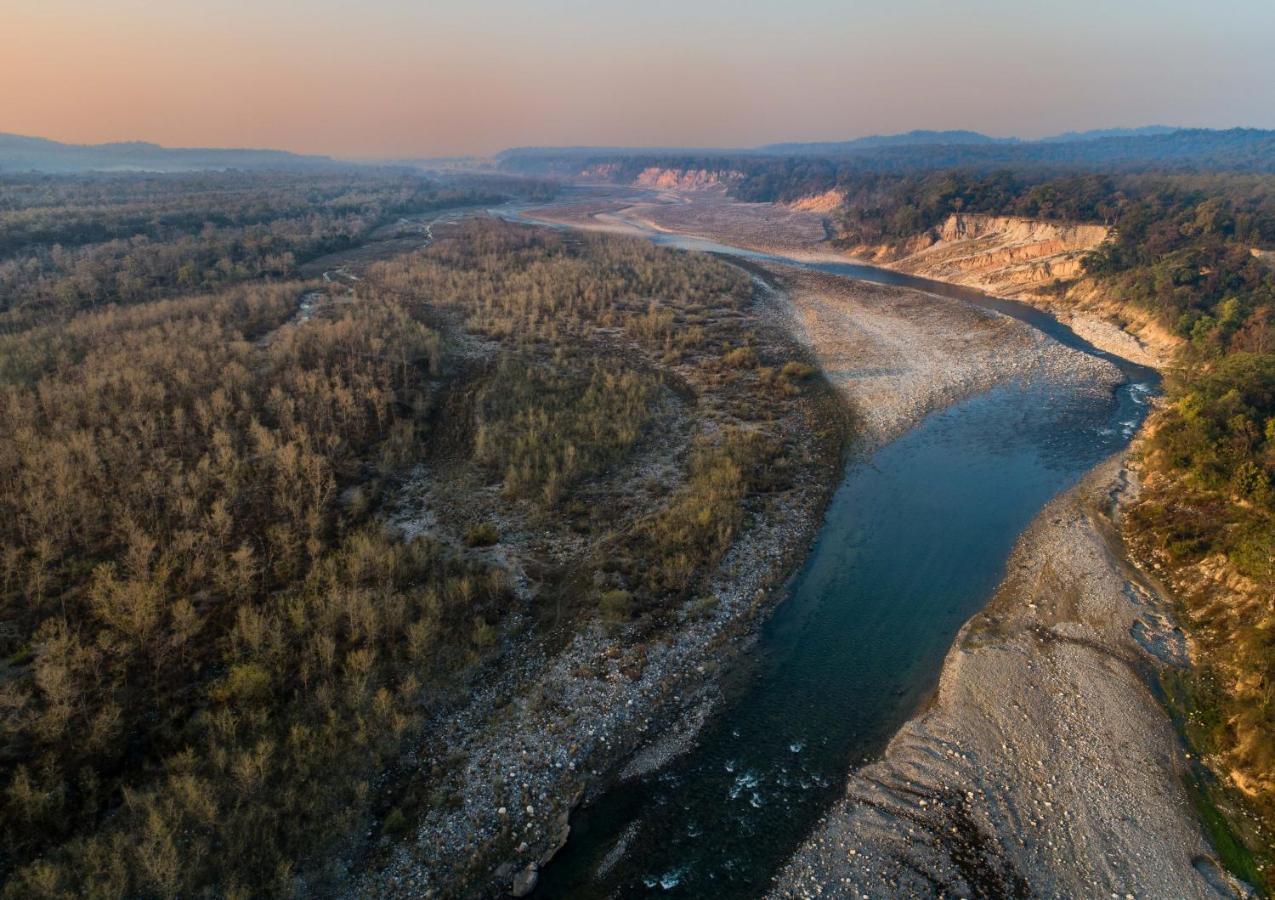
{"x":1032,"y":260}
{"x":683,"y":179}
{"x":1000,"y":254}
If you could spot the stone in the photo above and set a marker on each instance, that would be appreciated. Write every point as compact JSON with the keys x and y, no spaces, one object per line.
{"x":525,"y":881}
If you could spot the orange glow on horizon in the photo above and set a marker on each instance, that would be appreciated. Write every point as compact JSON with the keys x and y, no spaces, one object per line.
{"x":401,"y":80}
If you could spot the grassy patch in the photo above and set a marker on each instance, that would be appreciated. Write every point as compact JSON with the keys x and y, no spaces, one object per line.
{"x":1194,"y":701}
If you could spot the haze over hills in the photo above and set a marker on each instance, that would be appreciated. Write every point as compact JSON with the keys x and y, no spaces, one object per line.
{"x":1096,"y":133}
{"x":906,"y":139}
{"x":19,"y":153}
{"x":1237,"y":148}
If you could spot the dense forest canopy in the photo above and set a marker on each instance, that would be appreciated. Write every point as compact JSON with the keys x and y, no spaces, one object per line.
{"x":71,"y":243}
{"x":216,"y":650}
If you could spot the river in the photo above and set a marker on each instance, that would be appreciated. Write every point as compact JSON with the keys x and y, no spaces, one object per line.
{"x":914,"y":543}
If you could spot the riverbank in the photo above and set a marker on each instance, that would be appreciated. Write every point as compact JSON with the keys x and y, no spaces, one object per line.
{"x":1045,"y":765}
{"x":825,"y":316}
{"x":898,"y":354}
{"x":804,"y":235}
{"x":553,"y":728}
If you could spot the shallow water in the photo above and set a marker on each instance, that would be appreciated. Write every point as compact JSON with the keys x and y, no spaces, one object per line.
{"x":914,"y":543}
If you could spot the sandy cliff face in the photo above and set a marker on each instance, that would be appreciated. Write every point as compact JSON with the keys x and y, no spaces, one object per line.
{"x":683,"y":179}
{"x":1000,"y":254}
{"x":1012,"y":256}
{"x":819,"y":203}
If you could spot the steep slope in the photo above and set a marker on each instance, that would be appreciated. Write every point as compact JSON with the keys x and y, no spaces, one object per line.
{"x":999,"y":254}
{"x":1033,"y":260}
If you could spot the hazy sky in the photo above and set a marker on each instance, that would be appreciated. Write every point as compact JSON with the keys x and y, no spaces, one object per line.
{"x":393,"y":77}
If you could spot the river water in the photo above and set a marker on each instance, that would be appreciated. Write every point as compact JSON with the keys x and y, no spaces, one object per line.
{"x":914,"y":543}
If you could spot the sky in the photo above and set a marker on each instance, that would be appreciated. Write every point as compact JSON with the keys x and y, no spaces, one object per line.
{"x":404,"y":78}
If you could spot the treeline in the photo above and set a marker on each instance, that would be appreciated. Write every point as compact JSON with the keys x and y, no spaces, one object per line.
{"x":212,"y":654}
{"x":1181,"y":150}
{"x":71,"y":243}
{"x":1182,"y":245}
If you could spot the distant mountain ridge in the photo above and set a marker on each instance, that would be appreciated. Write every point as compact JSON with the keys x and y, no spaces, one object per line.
{"x":906,"y":139}
{"x":1154,"y":146}
{"x":1099,"y":133}
{"x":914,"y":138}
{"x":19,"y":153}
{"x":922,"y":137}
{"x":1247,"y":149}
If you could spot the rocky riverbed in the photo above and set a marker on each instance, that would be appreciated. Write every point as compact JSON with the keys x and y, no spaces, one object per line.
{"x":1045,"y":766}
{"x":897,"y":354}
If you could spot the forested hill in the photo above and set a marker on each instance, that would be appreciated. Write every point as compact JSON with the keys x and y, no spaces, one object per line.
{"x":33,"y":154}
{"x":1187,"y":149}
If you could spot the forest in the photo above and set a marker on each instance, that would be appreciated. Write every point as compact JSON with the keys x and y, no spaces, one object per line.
{"x":774,"y":167}
{"x":218,"y":646}
{"x":73,"y":243}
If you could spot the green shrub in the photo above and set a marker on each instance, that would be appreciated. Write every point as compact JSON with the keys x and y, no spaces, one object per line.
{"x":395,"y":823}
{"x":797,"y":371}
{"x":482,"y":535}
{"x":616,"y":606}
